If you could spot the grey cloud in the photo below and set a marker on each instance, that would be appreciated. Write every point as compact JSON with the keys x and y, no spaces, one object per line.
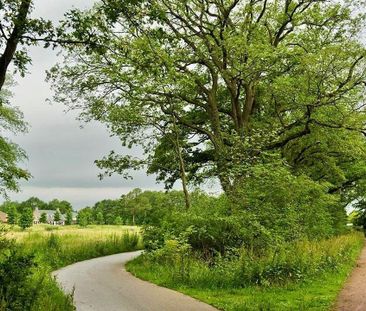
{"x":61,"y":155}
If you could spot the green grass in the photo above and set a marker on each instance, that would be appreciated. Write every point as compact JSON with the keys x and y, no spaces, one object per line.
{"x":93,"y":230}
{"x":316,"y":291}
{"x":56,"y":247}
{"x":66,"y":245}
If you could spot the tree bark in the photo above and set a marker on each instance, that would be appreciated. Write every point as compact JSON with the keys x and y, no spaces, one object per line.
{"x":13,"y":40}
{"x":182,"y":169}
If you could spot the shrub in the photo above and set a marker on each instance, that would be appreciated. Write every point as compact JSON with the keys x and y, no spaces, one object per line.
{"x":16,"y":289}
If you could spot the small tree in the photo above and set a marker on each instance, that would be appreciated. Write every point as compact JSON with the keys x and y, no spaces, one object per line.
{"x":43,"y":218}
{"x":26,"y":218}
{"x":100,"y":218}
{"x":12,"y":216}
{"x":57,"y":216}
{"x":118,"y":220}
{"x":68,"y":220}
{"x":82,"y":219}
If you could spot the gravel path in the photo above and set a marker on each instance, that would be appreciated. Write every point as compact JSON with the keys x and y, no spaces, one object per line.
{"x":353,"y":295}
{"x":102,"y":284}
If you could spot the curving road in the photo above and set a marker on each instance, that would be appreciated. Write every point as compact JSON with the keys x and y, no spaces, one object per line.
{"x":102,"y":284}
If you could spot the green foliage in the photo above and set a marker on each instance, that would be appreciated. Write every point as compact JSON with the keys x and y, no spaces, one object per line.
{"x":24,"y":283}
{"x":62,"y":206}
{"x":359,"y":215}
{"x":57,"y":216}
{"x":12,"y":215}
{"x":141,"y":207}
{"x":57,"y":250}
{"x":100,"y":218}
{"x":11,"y":120}
{"x":276,"y":208}
{"x":281,"y":85}
{"x":26,"y":218}
{"x":68,"y":220}
{"x":289,"y":278}
{"x":82,"y":219}
{"x":33,"y":203}
{"x":43,"y":218}
{"x":291,"y":207}
{"x":118,"y":221}
{"x":25,"y":266}
{"x":16,"y":290}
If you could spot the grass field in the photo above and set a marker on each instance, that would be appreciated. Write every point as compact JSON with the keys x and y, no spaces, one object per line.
{"x":94,"y":230}
{"x":58,"y":246}
{"x":55,"y":247}
{"x":316,"y":292}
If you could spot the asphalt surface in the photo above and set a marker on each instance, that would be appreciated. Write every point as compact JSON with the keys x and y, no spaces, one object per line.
{"x":102,"y":284}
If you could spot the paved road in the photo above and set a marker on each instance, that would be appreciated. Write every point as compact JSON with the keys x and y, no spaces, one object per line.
{"x":102,"y":284}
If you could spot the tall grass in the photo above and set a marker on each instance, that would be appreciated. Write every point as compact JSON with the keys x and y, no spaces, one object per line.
{"x":58,"y":250}
{"x":55,"y":247}
{"x":242,"y":270}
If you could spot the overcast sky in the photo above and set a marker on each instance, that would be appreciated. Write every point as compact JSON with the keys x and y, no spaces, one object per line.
{"x":61,"y":154}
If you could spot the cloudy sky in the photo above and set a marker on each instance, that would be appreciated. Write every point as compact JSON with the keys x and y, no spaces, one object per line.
{"x":61,"y":154}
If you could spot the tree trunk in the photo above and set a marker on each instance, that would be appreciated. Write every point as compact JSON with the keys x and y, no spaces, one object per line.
{"x":182,"y":169}
{"x":13,"y":40}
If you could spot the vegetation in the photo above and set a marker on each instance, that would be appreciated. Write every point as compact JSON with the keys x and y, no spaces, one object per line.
{"x":27,"y":261}
{"x":43,"y":218}
{"x":11,"y":121}
{"x":298,"y":276}
{"x":61,"y":247}
{"x":247,"y":89}
{"x":26,"y":218}
{"x":21,"y":213}
{"x":18,"y":31}
{"x":265,"y":98}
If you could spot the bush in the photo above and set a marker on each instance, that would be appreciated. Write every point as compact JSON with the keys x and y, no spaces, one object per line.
{"x":16,"y":289}
{"x":25,"y":284}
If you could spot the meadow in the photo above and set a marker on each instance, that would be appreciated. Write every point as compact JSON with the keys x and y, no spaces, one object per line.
{"x":44,"y":248}
{"x":306,"y":275}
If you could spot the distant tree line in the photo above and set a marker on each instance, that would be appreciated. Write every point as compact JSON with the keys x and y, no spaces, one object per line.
{"x":216,"y":223}
{"x":135,"y":208}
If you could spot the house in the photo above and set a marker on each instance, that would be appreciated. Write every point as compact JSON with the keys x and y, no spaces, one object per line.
{"x":50,"y":217}
{"x":3,"y":217}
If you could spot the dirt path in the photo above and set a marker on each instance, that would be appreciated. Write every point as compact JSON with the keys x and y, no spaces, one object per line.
{"x":102,"y":284}
{"x":353,"y":295}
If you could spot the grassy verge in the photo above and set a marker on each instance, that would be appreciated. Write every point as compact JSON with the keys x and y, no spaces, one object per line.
{"x":324,"y":266}
{"x":56,"y":247}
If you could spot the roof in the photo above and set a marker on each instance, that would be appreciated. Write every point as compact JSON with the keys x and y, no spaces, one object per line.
{"x":50,"y":214}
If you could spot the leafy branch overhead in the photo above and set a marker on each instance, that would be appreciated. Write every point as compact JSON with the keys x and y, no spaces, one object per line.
{"x":246,"y":81}
{"x":18,"y":31}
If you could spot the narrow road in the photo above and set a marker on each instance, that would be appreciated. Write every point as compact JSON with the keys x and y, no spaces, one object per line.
{"x":102,"y":284}
{"x":353,"y":295}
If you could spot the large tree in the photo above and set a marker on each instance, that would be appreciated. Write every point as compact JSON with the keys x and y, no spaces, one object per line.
{"x":245,"y":83}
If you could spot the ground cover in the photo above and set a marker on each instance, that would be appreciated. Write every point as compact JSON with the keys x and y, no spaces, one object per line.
{"x":309,"y":279}
{"x":43,"y":249}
